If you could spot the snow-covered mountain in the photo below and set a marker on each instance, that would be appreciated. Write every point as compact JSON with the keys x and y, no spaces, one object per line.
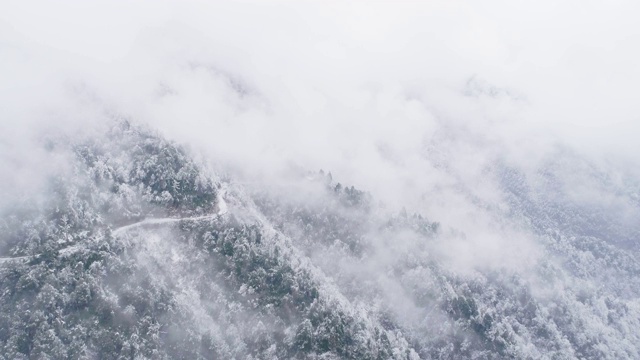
{"x":319,"y":180}
{"x":137,"y":250}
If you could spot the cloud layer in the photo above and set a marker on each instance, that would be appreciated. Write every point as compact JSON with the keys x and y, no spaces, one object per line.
{"x":414,"y":102}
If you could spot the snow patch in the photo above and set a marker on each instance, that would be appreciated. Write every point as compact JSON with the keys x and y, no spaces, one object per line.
{"x":222,"y":204}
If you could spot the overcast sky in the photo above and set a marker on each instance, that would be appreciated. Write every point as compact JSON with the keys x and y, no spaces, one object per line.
{"x":377,"y":92}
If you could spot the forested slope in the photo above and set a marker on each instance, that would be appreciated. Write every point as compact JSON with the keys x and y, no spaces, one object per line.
{"x":139,"y":251}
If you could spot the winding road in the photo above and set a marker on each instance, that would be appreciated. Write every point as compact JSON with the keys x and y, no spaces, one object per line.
{"x":222,"y":209}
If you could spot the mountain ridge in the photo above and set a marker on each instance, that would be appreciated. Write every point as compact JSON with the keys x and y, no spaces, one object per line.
{"x":143,"y":253}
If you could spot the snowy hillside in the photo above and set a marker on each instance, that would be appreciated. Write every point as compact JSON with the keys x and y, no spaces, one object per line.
{"x":319,"y":180}
{"x":142,"y":252}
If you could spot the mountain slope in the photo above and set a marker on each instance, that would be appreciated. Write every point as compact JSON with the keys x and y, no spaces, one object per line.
{"x":139,"y":251}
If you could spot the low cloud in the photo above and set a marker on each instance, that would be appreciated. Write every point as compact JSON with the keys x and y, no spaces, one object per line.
{"x":414,"y":102}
